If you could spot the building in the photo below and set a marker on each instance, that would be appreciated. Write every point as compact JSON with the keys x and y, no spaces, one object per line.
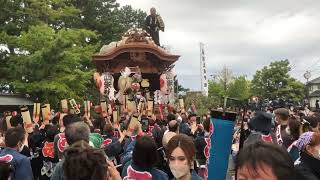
{"x":12,"y":102}
{"x":314,"y":91}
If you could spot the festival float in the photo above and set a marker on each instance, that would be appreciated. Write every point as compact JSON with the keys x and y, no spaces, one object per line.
{"x":135,"y":75}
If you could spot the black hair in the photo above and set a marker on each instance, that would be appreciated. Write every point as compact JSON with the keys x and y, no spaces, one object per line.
{"x":55,"y":120}
{"x":206,"y":124}
{"x":192,"y":115}
{"x":70,"y":118}
{"x":5,"y":170}
{"x":16,"y":120}
{"x":99,"y":123}
{"x":145,"y":153}
{"x":171,"y":117}
{"x":84,"y":162}
{"x":13,"y":136}
{"x":312,"y":120}
{"x":108,"y":130}
{"x":77,"y":131}
{"x":173,"y":126}
{"x":51,"y":132}
{"x":261,"y":153}
{"x":294,"y":126}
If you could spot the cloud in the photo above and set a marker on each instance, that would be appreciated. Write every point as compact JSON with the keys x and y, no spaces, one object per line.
{"x":243,"y":35}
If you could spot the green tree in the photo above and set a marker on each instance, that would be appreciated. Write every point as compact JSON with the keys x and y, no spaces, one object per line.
{"x":49,"y":44}
{"x":227,"y":85}
{"x":52,"y":65}
{"x":239,"y":88}
{"x":216,"y":89}
{"x":181,"y":88}
{"x":129,"y":17}
{"x":202,"y":103}
{"x":108,"y":19}
{"x":274,"y":81}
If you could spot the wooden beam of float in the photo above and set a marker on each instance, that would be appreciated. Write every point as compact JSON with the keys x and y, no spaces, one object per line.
{"x":135,"y":49}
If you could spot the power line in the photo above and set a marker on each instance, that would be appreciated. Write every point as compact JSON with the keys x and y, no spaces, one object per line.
{"x":314,"y":64}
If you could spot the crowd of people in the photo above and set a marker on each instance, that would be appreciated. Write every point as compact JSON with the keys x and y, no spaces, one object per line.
{"x":277,"y":144}
{"x":79,"y":147}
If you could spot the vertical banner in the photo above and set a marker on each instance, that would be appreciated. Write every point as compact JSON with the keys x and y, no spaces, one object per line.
{"x":203,"y":71}
{"x":36,"y":112}
{"x":133,"y":123}
{"x":45,"y":113}
{"x":8,"y":118}
{"x":150,"y":107}
{"x":27,"y":123}
{"x":110,"y":109}
{"x":181,"y":104}
{"x":131,"y":105}
{"x":61,"y":121}
{"x":115,"y":117}
{"x":64,"y":105}
{"x":86,"y":107}
{"x":141,"y":107}
{"x":221,"y":141}
{"x":74,"y":106}
{"x":104,"y":107}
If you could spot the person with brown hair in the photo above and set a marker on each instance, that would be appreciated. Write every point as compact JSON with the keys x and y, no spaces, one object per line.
{"x":262,"y":160}
{"x":5,"y":170}
{"x":282,"y":119}
{"x":181,"y":154}
{"x":84,"y":162}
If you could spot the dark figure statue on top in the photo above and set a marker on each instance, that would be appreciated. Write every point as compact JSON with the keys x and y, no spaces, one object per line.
{"x":154,"y":24}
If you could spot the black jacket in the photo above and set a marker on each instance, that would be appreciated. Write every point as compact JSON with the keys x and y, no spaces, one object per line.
{"x":308,"y":168}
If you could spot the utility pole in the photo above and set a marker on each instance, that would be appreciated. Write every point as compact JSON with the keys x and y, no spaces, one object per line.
{"x":307,"y":76}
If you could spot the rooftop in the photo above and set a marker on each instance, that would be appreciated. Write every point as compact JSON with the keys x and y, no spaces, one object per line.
{"x":14,"y":100}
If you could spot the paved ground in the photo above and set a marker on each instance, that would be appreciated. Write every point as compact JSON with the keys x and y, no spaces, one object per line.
{"x":231,"y":172}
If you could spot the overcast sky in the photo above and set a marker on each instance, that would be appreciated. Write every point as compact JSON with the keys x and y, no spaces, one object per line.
{"x":244,"y":35}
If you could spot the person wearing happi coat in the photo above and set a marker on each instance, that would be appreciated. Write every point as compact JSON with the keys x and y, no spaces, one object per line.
{"x":154,"y":24}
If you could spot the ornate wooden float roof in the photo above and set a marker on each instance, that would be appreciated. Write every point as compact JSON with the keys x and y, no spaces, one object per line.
{"x":136,"y":48}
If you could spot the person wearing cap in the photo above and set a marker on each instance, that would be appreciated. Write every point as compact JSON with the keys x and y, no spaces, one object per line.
{"x":260,"y":126}
{"x":308,"y":165}
{"x":312,"y":121}
{"x":282,"y":135}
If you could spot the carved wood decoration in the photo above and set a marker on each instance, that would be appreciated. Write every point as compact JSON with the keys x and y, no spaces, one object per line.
{"x":138,"y":56}
{"x":137,"y":35}
{"x":135,"y":49}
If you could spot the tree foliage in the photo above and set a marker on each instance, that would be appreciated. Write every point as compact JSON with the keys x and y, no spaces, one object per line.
{"x":46,"y":46}
{"x":201,"y":102}
{"x":227,"y":85}
{"x":239,"y":88}
{"x":274,"y":81}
